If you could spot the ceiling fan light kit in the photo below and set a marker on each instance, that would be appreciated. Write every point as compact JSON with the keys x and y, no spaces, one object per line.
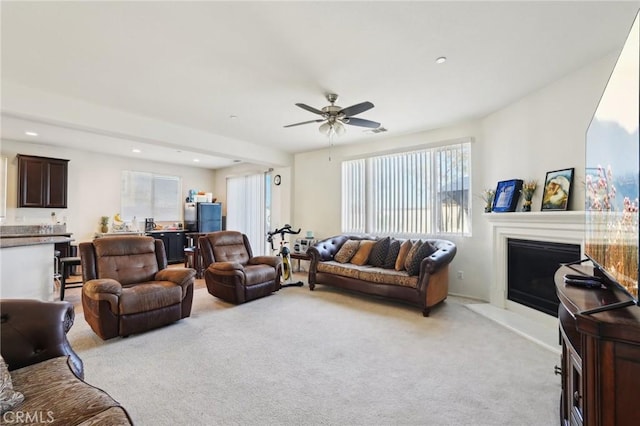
{"x":336,"y":127}
{"x":335,"y":117}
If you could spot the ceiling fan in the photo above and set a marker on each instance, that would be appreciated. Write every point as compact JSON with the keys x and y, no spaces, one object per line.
{"x":334,"y":117}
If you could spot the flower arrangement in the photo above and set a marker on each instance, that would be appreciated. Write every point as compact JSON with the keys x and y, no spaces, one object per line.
{"x":487,"y":195}
{"x":528,"y":188}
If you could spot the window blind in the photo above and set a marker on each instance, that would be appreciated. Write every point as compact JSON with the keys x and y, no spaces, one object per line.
{"x":408,"y":193}
{"x":147,"y":195}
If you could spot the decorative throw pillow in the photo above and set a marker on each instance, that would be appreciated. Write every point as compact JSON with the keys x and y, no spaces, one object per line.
{"x":412,"y":253}
{"x":362,"y":255}
{"x":379,"y":252}
{"x":392,"y":255}
{"x":402,"y":254}
{"x":346,"y":252}
{"x":8,"y":397}
{"x":426,"y":249}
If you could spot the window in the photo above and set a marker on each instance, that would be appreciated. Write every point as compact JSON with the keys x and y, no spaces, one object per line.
{"x":148,"y":195}
{"x":409,"y":193}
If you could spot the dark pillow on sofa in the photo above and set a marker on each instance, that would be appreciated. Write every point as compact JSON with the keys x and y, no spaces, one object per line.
{"x":412,"y":253}
{"x":392,"y":255}
{"x":379,"y":252}
{"x":426,"y":249}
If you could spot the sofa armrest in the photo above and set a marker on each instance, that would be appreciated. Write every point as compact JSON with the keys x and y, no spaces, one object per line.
{"x":102,"y":285}
{"x":180,"y":276}
{"x":444,"y":254}
{"x":266,"y":260}
{"x":33,"y":331}
{"x":104,"y":289}
{"x":227,"y":266}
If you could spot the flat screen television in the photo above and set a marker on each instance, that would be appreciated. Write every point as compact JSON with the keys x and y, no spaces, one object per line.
{"x":612,"y":175}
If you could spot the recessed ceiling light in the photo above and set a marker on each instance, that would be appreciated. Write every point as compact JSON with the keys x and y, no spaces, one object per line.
{"x":233,"y":116}
{"x":237,"y":161}
{"x":196,"y":160}
{"x":136,"y":150}
{"x":441,"y":60}
{"x":31,"y":133}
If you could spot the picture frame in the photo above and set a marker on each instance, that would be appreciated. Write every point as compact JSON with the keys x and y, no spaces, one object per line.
{"x":507,"y":195}
{"x":557,"y":189}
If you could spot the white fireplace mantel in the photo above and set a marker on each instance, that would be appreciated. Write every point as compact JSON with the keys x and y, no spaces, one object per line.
{"x":553,"y":226}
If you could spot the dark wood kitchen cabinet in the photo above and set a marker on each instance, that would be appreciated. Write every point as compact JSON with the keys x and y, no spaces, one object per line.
{"x":42,"y":182}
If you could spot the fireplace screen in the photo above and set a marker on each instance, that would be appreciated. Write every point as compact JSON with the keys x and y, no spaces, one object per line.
{"x":530,"y":269}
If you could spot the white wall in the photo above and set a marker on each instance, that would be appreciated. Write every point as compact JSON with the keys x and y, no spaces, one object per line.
{"x":542,"y":132}
{"x":545,"y":131}
{"x":93,"y":187}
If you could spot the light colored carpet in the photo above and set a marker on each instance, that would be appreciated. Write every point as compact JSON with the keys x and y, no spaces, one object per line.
{"x":324,"y":358}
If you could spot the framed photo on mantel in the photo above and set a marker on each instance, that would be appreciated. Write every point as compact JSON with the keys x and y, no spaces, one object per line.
{"x":507,"y":195}
{"x":557,"y":188}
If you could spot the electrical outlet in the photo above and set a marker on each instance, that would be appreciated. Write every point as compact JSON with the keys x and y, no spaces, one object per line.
{"x":460,"y":275}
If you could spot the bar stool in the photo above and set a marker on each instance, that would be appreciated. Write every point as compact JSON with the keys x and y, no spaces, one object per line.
{"x":66,"y":263}
{"x":56,"y":265}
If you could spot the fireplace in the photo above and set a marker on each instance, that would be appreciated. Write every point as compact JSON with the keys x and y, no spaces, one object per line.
{"x":531,"y":266}
{"x":564,"y":227}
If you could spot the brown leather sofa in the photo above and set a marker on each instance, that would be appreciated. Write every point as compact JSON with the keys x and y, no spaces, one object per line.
{"x":233,"y":274}
{"x":46,"y":370}
{"x":129,"y":289}
{"x":425,"y":290}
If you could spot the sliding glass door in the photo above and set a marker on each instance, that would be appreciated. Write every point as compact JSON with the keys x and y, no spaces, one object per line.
{"x":247,"y":206}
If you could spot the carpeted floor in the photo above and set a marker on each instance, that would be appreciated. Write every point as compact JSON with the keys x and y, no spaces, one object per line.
{"x":324,"y":358}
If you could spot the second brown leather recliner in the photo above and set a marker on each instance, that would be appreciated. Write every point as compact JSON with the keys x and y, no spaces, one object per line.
{"x":232,"y":272}
{"x":128,"y":287}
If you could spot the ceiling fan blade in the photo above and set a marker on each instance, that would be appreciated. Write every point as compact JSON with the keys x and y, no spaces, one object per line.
{"x":310,"y":109}
{"x":361,"y":122}
{"x":356,"y":109}
{"x":305,"y":122}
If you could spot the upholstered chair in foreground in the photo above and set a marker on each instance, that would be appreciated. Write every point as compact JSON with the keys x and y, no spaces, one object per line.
{"x":34,"y":331}
{"x":232,"y":272}
{"x":129,"y":289}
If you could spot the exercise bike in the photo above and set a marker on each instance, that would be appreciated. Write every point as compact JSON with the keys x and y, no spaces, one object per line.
{"x":285,"y":253}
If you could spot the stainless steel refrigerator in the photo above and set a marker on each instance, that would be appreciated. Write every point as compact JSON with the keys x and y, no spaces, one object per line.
{"x":203,"y":217}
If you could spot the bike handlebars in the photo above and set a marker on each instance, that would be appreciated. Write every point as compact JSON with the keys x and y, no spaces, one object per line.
{"x":286,"y":229}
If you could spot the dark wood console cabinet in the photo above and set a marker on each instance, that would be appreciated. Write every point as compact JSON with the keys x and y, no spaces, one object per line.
{"x":174,"y":244}
{"x":42,"y":182}
{"x":600,"y":356}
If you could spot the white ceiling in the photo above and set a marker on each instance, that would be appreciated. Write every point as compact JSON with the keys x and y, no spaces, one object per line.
{"x":195,"y":64}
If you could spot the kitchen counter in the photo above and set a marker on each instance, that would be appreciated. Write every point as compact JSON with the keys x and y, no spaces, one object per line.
{"x":20,"y":241}
{"x":27,"y":259}
{"x":117,"y":234}
{"x":47,"y":234}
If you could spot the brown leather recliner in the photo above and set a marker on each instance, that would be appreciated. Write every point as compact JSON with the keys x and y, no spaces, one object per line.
{"x":233,"y":274}
{"x":128,"y":287}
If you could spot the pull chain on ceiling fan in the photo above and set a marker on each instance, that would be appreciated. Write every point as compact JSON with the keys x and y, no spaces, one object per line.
{"x":334,"y":117}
